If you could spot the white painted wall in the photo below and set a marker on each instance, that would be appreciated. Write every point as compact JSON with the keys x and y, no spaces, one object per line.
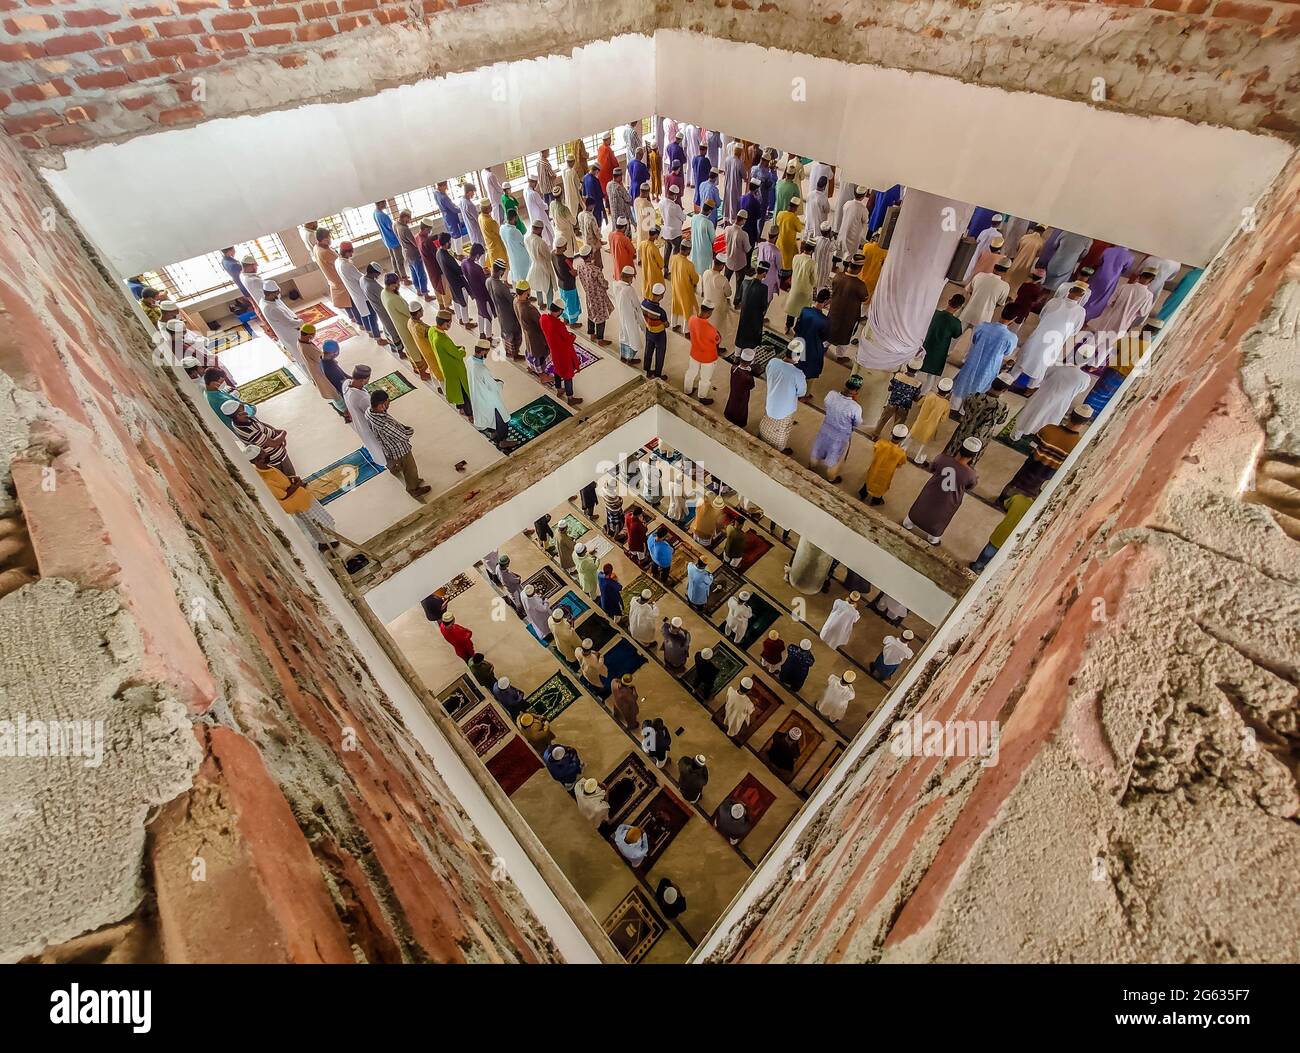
{"x":1156,"y":184}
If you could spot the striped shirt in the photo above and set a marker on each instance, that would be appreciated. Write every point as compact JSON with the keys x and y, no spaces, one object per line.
{"x":656,"y":318}
{"x":1054,"y":444}
{"x":394,"y":436}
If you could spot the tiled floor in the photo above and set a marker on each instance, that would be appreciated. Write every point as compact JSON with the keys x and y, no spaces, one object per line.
{"x":698,"y":859}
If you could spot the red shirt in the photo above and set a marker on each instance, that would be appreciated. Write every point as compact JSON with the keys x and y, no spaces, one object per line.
{"x":460,"y":638}
{"x":705,"y":339}
{"x":635,"y":534}
{"x":623,"y":251}
{"x":558,"y":338}
{"x":606,"y":159}
{"x":773,"y":650}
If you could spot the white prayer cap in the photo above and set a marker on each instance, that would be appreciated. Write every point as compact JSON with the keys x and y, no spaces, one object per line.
{"x":796,"y":201}
{"x":699,"y":758}
{"x":528,"y":590}
{"x":916,"y":363}
{"x":168,"y":305}
{"x":588,"y":645}
{"x":175,"y":325}
{"x":707,"y":653}
{"x":805,"y":645}
{"x":557,"y":753}
{"x":679,"y":136}
{"x":998,"y":217}
{"x":743,"y":594}
{"x":849,"y":676}
{"x":670,"y":895}
{"x":854,"y":596}
{"x":899,"y":432}
{"x":705,"y":305}
{"x":248,"y":259}
{"x":676,"y":623}
{"x":580,"y":549}
{"x":796,"y":734}
{"x":674,"y":189}
{"x":1082,"y":409}
{"x":792,"y":167}
{"x":251,"y":452}
{"x":629,"y":271}
{"x":908,"y":634}
{"x":945,"y":384}
{"x":503,"y":682}
{"x":721,"y":257}
{"x":556,"y":614}
{"x":449,"y":617}
{"x":590,"y":786}
{"x":826,"y":226}
{"x":747,"y":354}
{"x":270,"y":286}
{"x":658,"y":289}
{"x":621,"y":221}
{"x":746,"y":682}
{"x":1001,"y":263}
{"x":189,"y":362}
{"x":646,"y":594}
{"x":1080,"y":285}
{"x":742,"y":214}
{"x":797,"y":349}
{"x":738,"y":811}
{"x":971,"y":444}
{"x":229,"y":406}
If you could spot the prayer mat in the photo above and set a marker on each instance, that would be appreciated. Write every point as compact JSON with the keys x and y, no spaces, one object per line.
{"x":623,"y":658}
{"x":333,"y":331}
{"x":812,"y":738}
{"x":513,"y":764}
{"x":726,"y":662}
{"x":342,"y":477}
{"x":756,"y":798}
{"x":726,"y":583}
{"x":672,"y":457}
{"x":546,"y":582}
{"x":633,"y":928}
{"x":598,"y":630}
{"x":765,"y":704}
{"x":484,"y":729}
{"x":394,"y":383}
{"x":316,"y":314}
{"x":625,"y":788}
{"x":533,"y":633}
{"x":756,"y":548}
{"x":554,"y":696}
{"x":599,"y":547}
{"x":459,"y":697}
{"x":267,"y":387}
{"x":762,"y":619}
{"x":532,"y":420}
{"x":573,"y":603}
{"x":662,"y":820}
{"x":586,"y":357}
{"x":729,"y":516}
{"x":232,"y":337}
{"x":576,"y":527}
{"x":460,"y":583}
{"x":638,"y":586}
{"x":824,"y":768}
{"x":684,"y":553}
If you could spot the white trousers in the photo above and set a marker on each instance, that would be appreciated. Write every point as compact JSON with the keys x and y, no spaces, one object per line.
{"x":702,"y":370}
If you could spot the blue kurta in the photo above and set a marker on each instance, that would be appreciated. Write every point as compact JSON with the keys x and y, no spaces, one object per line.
{"x":698,"y":583}
{"x":591,"y":188}
{"x":991,"y":343}
{"x":450,"y":215}
{"x":881,"y":205}
{"x":611,"y":595}
{"x":702,"y":243}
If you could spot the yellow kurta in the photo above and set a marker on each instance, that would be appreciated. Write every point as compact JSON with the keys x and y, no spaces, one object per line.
{"x":684,"y":280}
{"x":802,"y":276}
{"x":788,"y":228}
{"x":651,"y":255}
{"x":932,"y":409}
{"x":420,"y":334}
{"x":873,"y":263}
{"x":496,"y":248}
{"x":1026,"y":253}
{"x":888,"y":456}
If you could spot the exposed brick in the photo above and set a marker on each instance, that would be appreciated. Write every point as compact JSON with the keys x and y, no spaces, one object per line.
{"x":19,"y":52}
{"x":316,"y":10}
{"x":138,"y":102}
{"x":119,"y":56}
{"x":360,"y":5}
{"x":1191,"y":7}
{"x":73,"y":43}
{"x":139,"y":71}
{"x":152,"y":11}
{"x":191,"y":7}
{"x":1256,"y":13}
{"x":180,"y":114}
{"x":347,"y":23}
{"x":271,"y":37}
{"x":175,"y":46}
{"x":293,"y":61}
{"x":6,"y":100}
{"x":111,"y":79}
{"x":32,"y":122}
{"x":386,"y":16}
{"x":50,"y":89}
{"x":224,"y":41}
{"x":181,"y":27}
{"x":78,"y":114}
{"x":130,"y":34}
{"x":203,"y":61}
{"x":30,"y":142}
{"x":30,"y":24}
{"x":233,"y":20}
{"x":278,"y":16}
{"x":95,"y":16}
{"x":316,"y":31}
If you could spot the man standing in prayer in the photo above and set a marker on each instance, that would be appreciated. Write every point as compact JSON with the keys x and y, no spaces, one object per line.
{"x":455,"y":278}
{"x":489,"y":411}
{"x":1115,"y":261}
{"x":750,"y":214}
{"x":620,"y":200}
{"x":944,"y":328}
{"x":684,"y":280}
{"x":848,"y":294}
{"x":1026,"y":256}
{"x":643,"y":618}
{"x":283,"y":322}
{"x":753,"y":308}
{"x":469,"y":214}
{"x":893,"y":652}
{"x":736,"y":249}
{"x":538,"y":208}
{"x":564,"y":359}
{"x":541,"y":269}
{"x":656,"y":329}
{"x":838,"y":694}
{"x":595,"y":285}
{"x":388,"y":235}
{"x":1064,"y":259}
{"x":503,"y":304}
{"x":843,"y":416}
{"x":982,"y":415}
{"x":451,"y":217}
{"x":1053,"y":338}
{"x":411,"y":251}
{"x":988,"y":291}
{"x":838,"y":627}
{"x":571,"y":181}
{"x":785,"y":386}
{"x":802,"y":274}
{"x":887,"y":457}
{"x":631,"y":320}
{"x":705,"y":339}
{"x":1062,"y":386}
{"x":395,"y":439}
{"x":1129,"y":306}
{"x":535,"y":349}
{"x":939,"y":499}
{"x":715,"y":289}
{"x":734,"y":179}
{"x":593,"y":194}
{"x":516,"y":248}
{"x":818,"y":210}
{"x":374,"y":294}
{"x":491,"y":229}
{"x":991,"y":345}
{"x":426,"y":241}
{"x":853,"y":224}
{"x":426,"y":364}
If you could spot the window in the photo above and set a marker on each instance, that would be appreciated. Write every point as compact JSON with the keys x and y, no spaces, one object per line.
{"x":204,"y":275}
{"x":356,"y":225}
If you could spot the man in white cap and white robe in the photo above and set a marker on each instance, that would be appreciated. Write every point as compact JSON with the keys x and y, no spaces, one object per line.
{"x":839,"y":624}
{"x":537,"y":210}
{"x":982,"y":242}
{"x":739,"y":707}
{"x":253,"y":282}
{"x":715,"y":289}
{"x":537,"y":613}
{"x":631,"y":319}
{"x":1062,"y":386}
{"x":591,"y":801}
{"x":893,"y":652}
{"x":541,"y":270}
{"x":738,"y":614}
{"x":824,"y":256}
{"x":853,"y":226}
{"x":1060,"y":319}
{"x":837,"y":696}
{"x":283,"y":322}
{"x":356,"y":400}
{"x":818,"y":209}
{"x":643,"y":618}
{"x":490,"y":413}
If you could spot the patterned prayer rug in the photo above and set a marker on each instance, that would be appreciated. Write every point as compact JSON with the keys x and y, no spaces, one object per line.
{"x":546,"y":581}
{"x":586,"y":357}
{"x":683,"y":553}
{"x":812,"y":738}
{"x":459,"y":697}
{"x":460,"y":583}
{"x":727,"y":664}
{"x":554,"y":696}
{"x":759,"y":622}
{"x":573,"y":603}
{"x":576,"y":527}
{"x":756,"y":798}
{"x":662,"y":820}
{"x":334,"y":331}
{"x":726,"y":583}
{"x":765,"y":704}
{"x":729,"y":516}
{"x":630,"y":783}
{"x":532,"y":420}
{"x":598,"y":630}
{"x":484,"y":729}
{"x":277,"y":382}
{"x":513,"y":764}
{"x":634,"y":928}
{"x":316,"y":314}
{"x":394,"y":383}
{"x":824,"y":768}
{"x":638,"y":586}
{"x":756,"y":548}
{"x":343,"y":476}
{"x":623,"y":658}
{"x":599,"y":546}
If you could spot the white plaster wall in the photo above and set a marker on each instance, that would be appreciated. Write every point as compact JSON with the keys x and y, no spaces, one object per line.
{"x":233,"y":179}
{"x":1156,"y":184}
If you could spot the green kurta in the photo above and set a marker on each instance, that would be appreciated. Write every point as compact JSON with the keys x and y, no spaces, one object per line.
{"x":785,"y":190}
{"x":944,"y":329}
{"x":451,"y":356}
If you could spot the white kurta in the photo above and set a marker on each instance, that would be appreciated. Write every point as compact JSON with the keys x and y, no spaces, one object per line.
{"x":1062,"y":386}
{"x":538,"y":615}
{"x":631,"y":322}
{"x":536,"y":207}
{"x":737,"y":711}
{"x":357,"y":400}
{"x":844,"y":191}
{"x":839,"y":624}
{"x":541,"y":274}
{"x":284,"y":323}
{"x":253,"y":283}
{"x":1058,"y":322}
{"x":715,"y":289}
{"x":738,"y":614}
{"x":351,"y":278}
{"x":593,"y":807}
{"x":643,"y":621}
{"x":819,"y":210}
{"x":835,"y":699}
{"x":572,"y":180}
{"x":987,"y":292}
{"x":1129,"y":306}
{"x":853,"y":228}
{"x":981,"y":246}
{"x":484,"y":394}
{"x":1165,"y":269}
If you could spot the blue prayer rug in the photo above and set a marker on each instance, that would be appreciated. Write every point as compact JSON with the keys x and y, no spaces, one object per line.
{"x":342,"y":477}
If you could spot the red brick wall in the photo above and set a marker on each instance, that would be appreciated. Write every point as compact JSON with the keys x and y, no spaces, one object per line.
{"x":318,"y":849}
{"x":1139,"y":654}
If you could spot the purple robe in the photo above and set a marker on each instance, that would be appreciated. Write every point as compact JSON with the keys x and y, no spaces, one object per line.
{"x":768,"y":251}
{"x":476,"y":281}
{"x":1114,"y":262}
